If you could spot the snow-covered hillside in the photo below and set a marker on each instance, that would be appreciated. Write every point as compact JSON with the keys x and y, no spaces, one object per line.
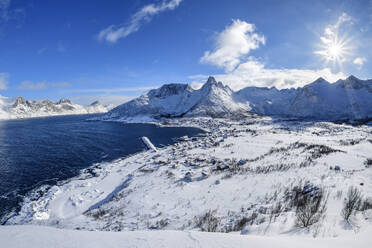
{"x":46,"y":237}
{"x":244,"y":177}
{"x":346,"y":99}
{"x":21,"y":108}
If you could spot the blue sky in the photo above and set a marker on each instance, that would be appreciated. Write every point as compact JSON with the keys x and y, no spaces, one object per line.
{"x":115,"y":50}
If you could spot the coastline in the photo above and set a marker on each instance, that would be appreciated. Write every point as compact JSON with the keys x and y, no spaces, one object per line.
{"x":13,"y":118}
{"x":136,"y":184}
{"x":35,"y":193}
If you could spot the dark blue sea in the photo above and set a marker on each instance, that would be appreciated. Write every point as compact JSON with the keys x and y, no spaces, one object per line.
{"x":44,"y":151}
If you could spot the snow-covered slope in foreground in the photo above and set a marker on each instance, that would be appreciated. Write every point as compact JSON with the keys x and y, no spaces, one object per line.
{"x":243,"y":177}
{"x":21,"y":108}
{"x":346,"y":99}
{"x":46,"y":237}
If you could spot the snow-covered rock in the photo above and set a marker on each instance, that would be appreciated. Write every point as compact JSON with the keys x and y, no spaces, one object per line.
{"x":20,"y":107}
{"x":345,"y":99}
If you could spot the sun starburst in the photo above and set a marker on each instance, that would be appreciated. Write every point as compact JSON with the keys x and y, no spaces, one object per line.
{"x":334,"y":50}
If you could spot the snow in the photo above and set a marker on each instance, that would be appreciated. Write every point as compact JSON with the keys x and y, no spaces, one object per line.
{"x":175,"y":100}
{"x":46,"y":237}
{"x":344,"y":99}
{"x":238,"y":172}
{"x":239,"y":168}
{"x":21,"y":108}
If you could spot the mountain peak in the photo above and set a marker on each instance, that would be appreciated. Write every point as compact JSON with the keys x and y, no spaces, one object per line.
{"x":19,"y":101}
{"x":168,"y":90}
{"x":320,"y":99}
{"x":352,"y":78}
{"x":320,"y":79}
{"x":95,"y":103}
{"x":63,"y":100}
{"x":211,"y":80}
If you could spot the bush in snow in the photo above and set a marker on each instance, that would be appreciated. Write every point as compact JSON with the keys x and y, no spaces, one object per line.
{"x":208,"y":222}
{"x":310,"y":207}
{"x":97,"y":213}
{"x":352,"y":203}
{"x":275,"y":211}
{"x":368,"y":162}
{"x":244,"y":221}
{"x":366,"y":204}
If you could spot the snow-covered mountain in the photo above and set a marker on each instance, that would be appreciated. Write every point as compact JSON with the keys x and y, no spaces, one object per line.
{"x":96,"y":107}
{"x":20,"y":107}
{"x":216,"y":100}
{"x":345,"y":99}
{"x":178,"y":100}
{"x":267,"y":101}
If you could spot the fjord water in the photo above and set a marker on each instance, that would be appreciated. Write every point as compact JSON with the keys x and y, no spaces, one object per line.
{"x":39,"y":151}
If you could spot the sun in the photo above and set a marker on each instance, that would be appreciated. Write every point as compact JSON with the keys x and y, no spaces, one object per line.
{"x":333,"y":47}
{"x":334,"y":51}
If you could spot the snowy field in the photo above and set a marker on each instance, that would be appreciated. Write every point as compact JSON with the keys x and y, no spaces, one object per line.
{"x":242,"y":178}
{"x":47,"y":237}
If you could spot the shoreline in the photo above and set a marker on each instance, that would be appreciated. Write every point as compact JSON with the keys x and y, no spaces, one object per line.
{"x":36,"y":193}
{"x":184,"y":166}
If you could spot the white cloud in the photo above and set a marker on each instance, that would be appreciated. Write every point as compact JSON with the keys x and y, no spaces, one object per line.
{"x":4,"y":6}
{"x":59,"y":84}
{"x":254,"y":73}
{"x":112,"y":90}
{"x":29,"y":85}
{"x":343,"y":18}
{"x":359,"y":61}
{"x":105,"y":99}
{"x":332,"y":30}
{"x":114,"y":32}
{"x":197,"y":84}
{"x":231,"y":52}
{"x":4,"y":77}
{"x":232,"y":45}
{"x":61,"y":47}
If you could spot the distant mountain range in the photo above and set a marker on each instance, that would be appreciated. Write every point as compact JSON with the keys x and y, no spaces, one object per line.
{"x":345,"y":99}
{"x":15,"y":108}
